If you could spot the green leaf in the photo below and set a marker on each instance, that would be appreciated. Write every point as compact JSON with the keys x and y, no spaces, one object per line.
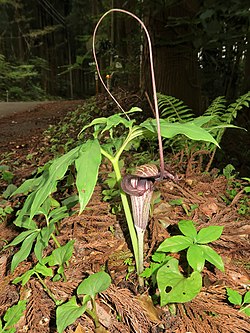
{"x":21,"y":237}
{"x":24,"y":251}
{"x":43,"y":240}
{"x":51,"y":176}
{"x":44,"y":270}
{"x":67,"y":314}
{"x":234,"y":297}
{"x":28,"y":186}
{"x":24,"y":278}
{"x":174,"y":287}
{"x":87,"y":166}
{"x":195,"y":257}
{"x":187,"y":228}
{"x":94,"y":284}
{"x":213,"y":257}
{"x":209,"y":234}
{"x":62,"y":254}
{"x":189,"y":129}
{"x":13,"y":314}
{"x":160,"y":257}
{"x":246,"y":297}
{"x":175,"y":244}
{"x":115,"y":120}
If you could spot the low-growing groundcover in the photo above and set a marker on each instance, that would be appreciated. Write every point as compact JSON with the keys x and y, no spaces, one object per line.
{"x":210,"y":199}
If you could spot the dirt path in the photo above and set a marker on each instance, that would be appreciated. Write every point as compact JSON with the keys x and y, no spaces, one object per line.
{"x":21,"y":121}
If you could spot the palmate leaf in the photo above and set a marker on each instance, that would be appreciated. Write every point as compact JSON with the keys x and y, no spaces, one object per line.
{"x":87,"y":166}
{"x":189,"y":129}
{"x":234,"y":297}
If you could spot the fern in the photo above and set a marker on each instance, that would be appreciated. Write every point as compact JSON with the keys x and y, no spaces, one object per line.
{"x":224,"y":116}
{"x":217,"y":107}
{"x":221,"y":115}
{"x":173,"y":109}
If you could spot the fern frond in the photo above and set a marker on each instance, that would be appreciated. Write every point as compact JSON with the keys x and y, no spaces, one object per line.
{"x":235,"y":107}
{"x":217,"y":107}
{"x":173,"y":109}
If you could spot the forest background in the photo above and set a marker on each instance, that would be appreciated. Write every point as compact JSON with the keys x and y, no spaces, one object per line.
{"x":201,"y":48}
{"x":201,"y":51}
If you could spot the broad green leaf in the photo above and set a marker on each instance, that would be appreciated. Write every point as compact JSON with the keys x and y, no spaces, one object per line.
{"x":234,"y":297}
{"x":43,"y":240}
{"x":67,"y":314}
{"x":175,"y":244}
{"x":115,"y":120}
{"x":9,"y":190}
{"x":174,"y":287}
{"x":24,"y":251}
{"x":213,"y":257}
{"x":44,"y":270}
{"x":96,"y":121}
{"x":202,"y":120}
{"x":24,"y":278}
{"x":22,"y":219}
{"x":187,"y":228}
{"x":87,"y":166}
{"x":94,"y":284}
{"x":62,"y":254}
{"x":246,"y":297}
{"x":189,"y":129}
{"x":209,"y":234}
{"x":51,"y":176}
{"x":20,"y":238}
{"x":28,"y":186}
{"x":13,"y":314}
{"x":195,"y":257}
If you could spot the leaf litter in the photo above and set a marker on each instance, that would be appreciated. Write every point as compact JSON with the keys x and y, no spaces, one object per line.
{"x":101,"y":241}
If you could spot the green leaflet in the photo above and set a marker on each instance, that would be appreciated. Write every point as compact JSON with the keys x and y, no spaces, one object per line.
{"x":24,"y":251}
{"x":175,"y":244}
{"x":187,"y":228}
{"x":87,"y":166}
{"x":189,"y":129}
{"x":209,"y":234}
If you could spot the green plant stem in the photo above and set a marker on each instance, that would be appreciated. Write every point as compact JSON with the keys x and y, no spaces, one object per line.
{"x":125,"y":203}
{"x":51,"y":295}
{"x":55,"y":240}
{"x":93,"y":314}
{"x":244,"y":308}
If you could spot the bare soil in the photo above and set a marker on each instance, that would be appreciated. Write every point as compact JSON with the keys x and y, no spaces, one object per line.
{"x":101,"y":240}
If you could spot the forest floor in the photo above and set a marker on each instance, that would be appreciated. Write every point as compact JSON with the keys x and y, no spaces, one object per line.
{"x":101,"y":241}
